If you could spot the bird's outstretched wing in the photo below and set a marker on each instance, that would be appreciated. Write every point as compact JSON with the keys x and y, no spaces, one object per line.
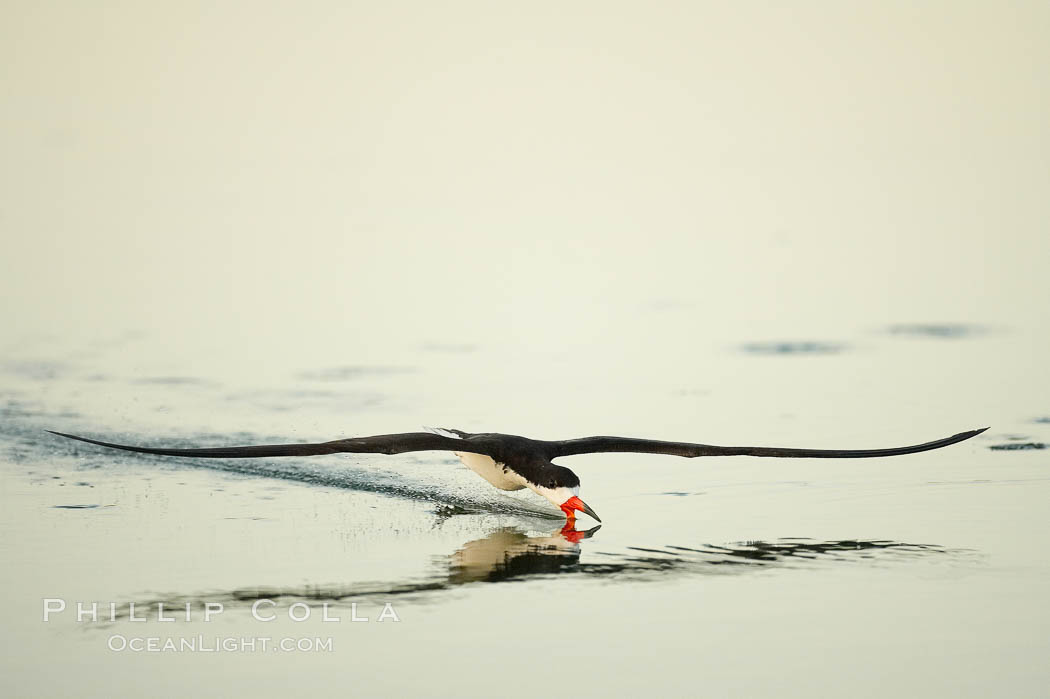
{"x":590,"y":445}
{"x":379,"y":444}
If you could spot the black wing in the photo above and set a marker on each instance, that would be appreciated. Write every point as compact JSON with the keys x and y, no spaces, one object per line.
{"x":379,"y":444}
{"x":590,"y":445}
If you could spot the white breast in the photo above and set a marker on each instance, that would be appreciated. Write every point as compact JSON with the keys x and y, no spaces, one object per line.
{"x":494,"y":473}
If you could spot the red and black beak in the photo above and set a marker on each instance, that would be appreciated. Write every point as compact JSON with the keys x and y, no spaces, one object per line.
{"x":570,"y":506}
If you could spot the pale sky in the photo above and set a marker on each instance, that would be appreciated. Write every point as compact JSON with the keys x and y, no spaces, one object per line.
{"x":459,"y":170}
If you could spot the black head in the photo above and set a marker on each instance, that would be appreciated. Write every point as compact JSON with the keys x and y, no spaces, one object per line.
{"x":559,"y":477}
{"x":562,"y":487}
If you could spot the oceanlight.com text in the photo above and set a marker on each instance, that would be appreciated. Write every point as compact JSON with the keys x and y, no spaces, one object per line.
{"x":120,"y":643}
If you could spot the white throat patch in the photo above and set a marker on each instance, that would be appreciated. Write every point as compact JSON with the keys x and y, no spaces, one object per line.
{"x":558,"y":496}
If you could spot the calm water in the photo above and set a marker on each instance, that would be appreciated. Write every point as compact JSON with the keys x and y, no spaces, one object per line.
{"x":922,"y":572}
{"x":810,"y":224}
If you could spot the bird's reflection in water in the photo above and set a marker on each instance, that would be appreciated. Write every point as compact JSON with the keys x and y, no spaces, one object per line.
{"x":512,"y":554}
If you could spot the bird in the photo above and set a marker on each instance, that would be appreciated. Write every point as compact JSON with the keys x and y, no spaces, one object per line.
{"x":512,"y":462}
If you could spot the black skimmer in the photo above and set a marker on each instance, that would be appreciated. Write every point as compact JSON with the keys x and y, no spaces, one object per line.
{"x":510,"y":462}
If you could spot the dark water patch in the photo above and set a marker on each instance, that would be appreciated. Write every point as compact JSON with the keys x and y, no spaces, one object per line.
{"x":36,"y":370}
{"x":350,"y":373}
{"x":805,"y":347}
{"x":15,"y":408}
{"x":285,"y":400}
{"x":1016,"y":437}
{"x":943,"y":331}
{"x":305,"y":393}
{"x":174,"y":381}
{"x":711,"y":558}
{"x":1018,"y":446}
{"x":289,"y":400}
{"x":1042,"y":420}
{"x":76,"y":507}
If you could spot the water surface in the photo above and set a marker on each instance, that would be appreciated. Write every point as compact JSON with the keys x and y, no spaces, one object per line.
{"x":806,"y":225}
